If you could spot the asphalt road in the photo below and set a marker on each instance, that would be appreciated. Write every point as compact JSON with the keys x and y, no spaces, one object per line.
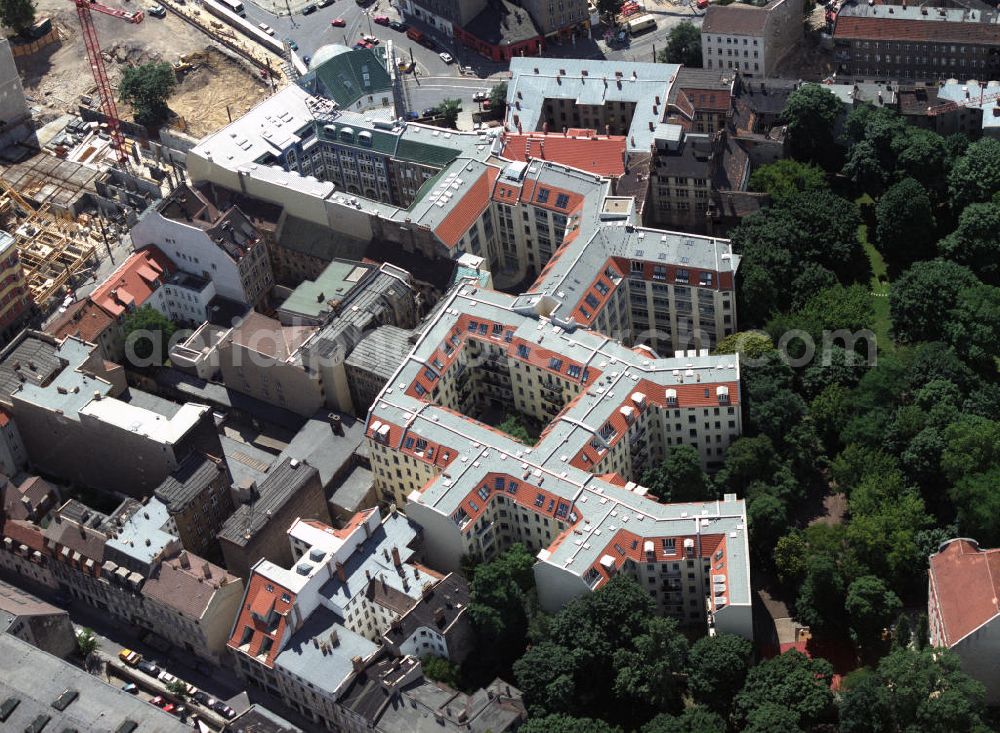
{"x":434,"y":80}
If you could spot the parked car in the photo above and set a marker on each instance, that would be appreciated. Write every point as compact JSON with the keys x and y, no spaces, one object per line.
{"x":370,"y":39}
{"x":203,"y":698}
{"x":224,"y":710}
{"x":487,"y":104}
{"x":338,"y":22}
{"x":308,"y":9}
{"x":266,"y":28}
{"x":166,"y":678}
{"x":398,"y":25}
{"x":291,"y":44}
{"x":429,"y":112}
{"x":130,"y":657}
{"x":306,"y":59}
{"x":480,"y":96}
{"x":324,"y":3}
{"x":180,"y":711}
{"x":158,"y":11}
{"x":362,"y":44}
{"x":381,"y":19}
{"x":158,"y":701}
{"x":169,"y":708}
{"x":446,"y":57}
{"x":149,"y":668}
{"x":130,"y":688}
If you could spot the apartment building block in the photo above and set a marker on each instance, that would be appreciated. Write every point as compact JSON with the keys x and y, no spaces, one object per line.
{"x":257,"y":528}
{"x":373,"y":362}
{"x":916,"y":42}
{"x":310,"y":625}
{"x":129,"y":566}
{"x":24,"y":554}
{"x":198,"y":501}
{"x":15,"y":299}
{"x":208,"y":239}
{"x":751,"y":39}
{"x":87,"y":321}
{"x":962,"y":608}
{"x":571,"y":498}
{"x":357,"y":79}
{"x":80,"y":421}
{"x":31,"y":619}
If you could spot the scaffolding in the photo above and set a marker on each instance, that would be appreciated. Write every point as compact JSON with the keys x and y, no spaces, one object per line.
{"x":52,"y":250}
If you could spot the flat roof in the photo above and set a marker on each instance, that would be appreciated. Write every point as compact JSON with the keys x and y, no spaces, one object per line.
{"x":142,"y":421}
{"x":35,"y":679}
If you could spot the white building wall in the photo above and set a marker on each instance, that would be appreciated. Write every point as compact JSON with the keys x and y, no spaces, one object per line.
{"x":13,"y":105}
{"x":979,"y":652}
{"x":192,"y":251}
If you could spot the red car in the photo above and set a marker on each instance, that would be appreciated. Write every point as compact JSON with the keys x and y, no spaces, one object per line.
{"x":338,"y":22}
{"x":381,"y":19}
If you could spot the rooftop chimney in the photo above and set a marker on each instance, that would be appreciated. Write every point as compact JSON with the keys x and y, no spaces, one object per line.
{"x":395,"y":557}
{"x":340,"y":572}
{"x":336,"y":424}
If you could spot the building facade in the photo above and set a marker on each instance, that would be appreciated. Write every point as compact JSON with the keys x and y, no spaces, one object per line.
{"x":916,"y":42}
{"x":257,"y":528}
{"x":217,"y":245}
{"x":80,"y":422}
{"x":751,"y":39}
{"x":198,"y":499}
{"x":309,"y":626}
{"x":15,"y":299}
{"x":962,"y":608}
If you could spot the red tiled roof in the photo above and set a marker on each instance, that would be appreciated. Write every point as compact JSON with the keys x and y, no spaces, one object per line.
{"x":708,"y":99}
{"x":25,"y":533}
{"x":899,"y":29}
{"x":965,"y":584}
{"x":132,"y":283}
{"x":600,"y":154}
{"x":469,"y":208}
{"x":262,"y":592}
{"x":83,"y":319}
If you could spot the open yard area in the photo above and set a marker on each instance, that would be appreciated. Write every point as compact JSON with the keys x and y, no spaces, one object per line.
{"x":879,"y":285}
{"x":58,"y":76}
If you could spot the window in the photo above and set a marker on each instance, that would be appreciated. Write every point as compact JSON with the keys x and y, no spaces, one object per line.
{"x":562,"y":201}
{"x":555,"y":364}
{"x":668,"y":544}
{"x":523,"y":351}
{"x":682,"y":276}
{"x":573,"y":370}
{"x":540,"y":500}
{"x":484,"y":492}
{"x":602,"y":287}
{"x":591,"y":300}
{"x":543,"y":195}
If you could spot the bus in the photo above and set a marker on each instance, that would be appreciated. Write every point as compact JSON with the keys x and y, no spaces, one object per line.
{"x":641,"y":24}
{"x":235,"y":5}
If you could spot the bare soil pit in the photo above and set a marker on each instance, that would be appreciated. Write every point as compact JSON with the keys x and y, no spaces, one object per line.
{"x":57,"y":77}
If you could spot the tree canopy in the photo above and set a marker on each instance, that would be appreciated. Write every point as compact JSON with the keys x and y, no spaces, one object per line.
{"x":683,"y":45}
{"x":810,"y":114}
{"x":147,"y":87}
{"x":18,"y":15}
{"x":147,"y":336}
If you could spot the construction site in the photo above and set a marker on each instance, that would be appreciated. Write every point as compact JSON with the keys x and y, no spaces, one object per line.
{"x":54,"y":252}
{"x":72,"y":188}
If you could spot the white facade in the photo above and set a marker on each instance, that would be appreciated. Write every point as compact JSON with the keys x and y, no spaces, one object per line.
{"x":192,"y":250}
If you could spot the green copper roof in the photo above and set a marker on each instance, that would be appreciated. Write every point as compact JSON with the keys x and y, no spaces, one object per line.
{"x":348,"y":76}
{"x":416,"y":152}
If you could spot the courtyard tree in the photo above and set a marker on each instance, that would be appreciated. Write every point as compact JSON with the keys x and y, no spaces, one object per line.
{"x":683,"y":46}
{"x":147,"y":87}
{"x":18,"y":15}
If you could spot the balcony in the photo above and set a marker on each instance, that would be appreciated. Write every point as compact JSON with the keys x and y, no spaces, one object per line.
{"x":495,"y":366}
{"x":552,"y":399}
